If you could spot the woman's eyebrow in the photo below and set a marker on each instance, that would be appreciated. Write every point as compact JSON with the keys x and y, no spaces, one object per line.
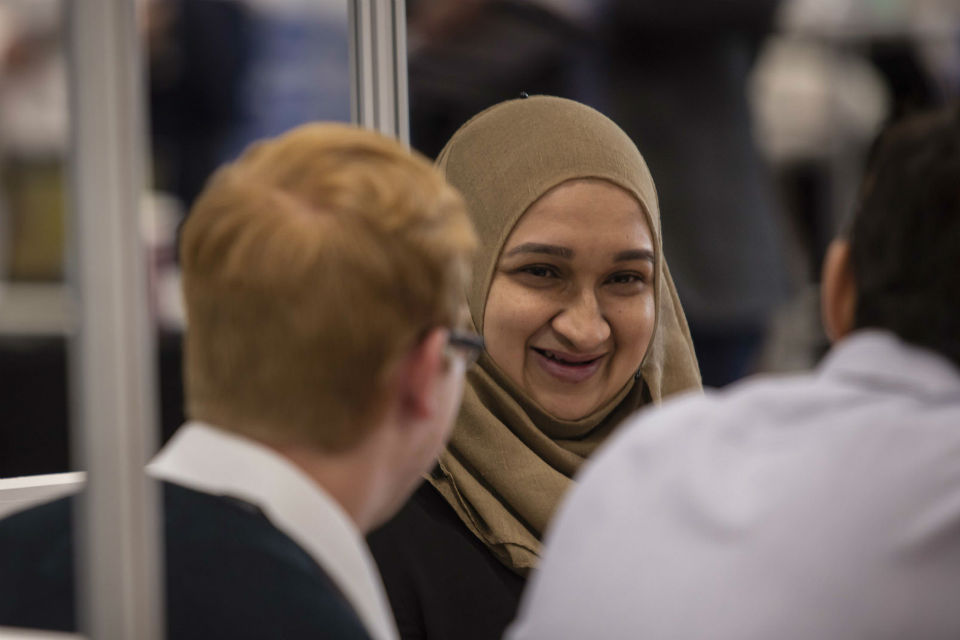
{"x":634,"y":254}
{"x":536,"y":247}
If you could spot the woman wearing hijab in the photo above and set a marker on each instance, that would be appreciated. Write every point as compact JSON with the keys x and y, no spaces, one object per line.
{"x":582,"y":326}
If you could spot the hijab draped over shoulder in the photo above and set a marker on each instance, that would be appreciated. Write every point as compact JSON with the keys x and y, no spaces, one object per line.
{"x":509,"y":462}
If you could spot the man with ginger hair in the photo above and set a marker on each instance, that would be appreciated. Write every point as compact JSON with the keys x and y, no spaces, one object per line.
{"x":323,"y":274}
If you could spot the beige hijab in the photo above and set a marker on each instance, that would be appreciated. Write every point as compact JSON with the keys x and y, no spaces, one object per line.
{"x":509,"y":462}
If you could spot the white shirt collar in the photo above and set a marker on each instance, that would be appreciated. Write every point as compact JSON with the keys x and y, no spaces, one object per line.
{"x":213,"y":461}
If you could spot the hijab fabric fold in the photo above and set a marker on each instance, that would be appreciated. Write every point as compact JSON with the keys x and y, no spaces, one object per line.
{"x":509,"y":461}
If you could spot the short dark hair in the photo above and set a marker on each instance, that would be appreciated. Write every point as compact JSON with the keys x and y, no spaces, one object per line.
{"x":905,"y":237}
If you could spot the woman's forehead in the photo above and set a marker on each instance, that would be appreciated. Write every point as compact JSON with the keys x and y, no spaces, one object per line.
{"x":582,"y":210}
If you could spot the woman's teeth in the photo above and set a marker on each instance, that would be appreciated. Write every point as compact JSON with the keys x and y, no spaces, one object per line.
{"x":554,"y":357}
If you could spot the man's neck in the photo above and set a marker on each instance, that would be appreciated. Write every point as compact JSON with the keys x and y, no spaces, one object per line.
{"x":349,"y":477}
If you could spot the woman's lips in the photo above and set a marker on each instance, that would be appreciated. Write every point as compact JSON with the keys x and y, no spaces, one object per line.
{"x":568,"y":367}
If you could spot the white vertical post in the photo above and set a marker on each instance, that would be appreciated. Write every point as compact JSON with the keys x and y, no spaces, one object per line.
{"x":378,"y":66}
{"x":113,"y":375}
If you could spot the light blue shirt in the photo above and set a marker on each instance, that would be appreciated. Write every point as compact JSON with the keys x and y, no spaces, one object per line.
{"x":821,"y":506}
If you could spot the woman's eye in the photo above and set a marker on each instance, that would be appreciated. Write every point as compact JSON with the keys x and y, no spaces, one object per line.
{"x":626,"y":278}
{"x":540,"y":271}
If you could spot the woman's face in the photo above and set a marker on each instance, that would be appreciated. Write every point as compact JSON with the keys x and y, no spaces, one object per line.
{"x":571,"y":307}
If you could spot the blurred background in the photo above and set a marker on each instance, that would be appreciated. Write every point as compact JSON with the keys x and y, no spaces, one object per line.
{"x":755,"y":117}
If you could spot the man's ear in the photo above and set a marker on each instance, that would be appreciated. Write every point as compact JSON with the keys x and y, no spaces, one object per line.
{"x":838,"y":291}
{"x":420,"y":373}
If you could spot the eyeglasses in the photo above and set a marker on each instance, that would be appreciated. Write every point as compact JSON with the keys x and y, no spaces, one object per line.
{"x":470,"y":343}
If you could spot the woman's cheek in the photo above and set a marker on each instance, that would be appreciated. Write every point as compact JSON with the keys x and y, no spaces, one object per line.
{"x":634,"y":323}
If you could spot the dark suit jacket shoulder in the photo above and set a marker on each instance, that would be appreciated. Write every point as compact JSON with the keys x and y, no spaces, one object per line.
{"x":230,"y":573}
{"x":442,"y":582}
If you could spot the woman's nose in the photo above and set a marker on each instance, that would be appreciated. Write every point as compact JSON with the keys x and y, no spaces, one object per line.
{"x":582,"y":324}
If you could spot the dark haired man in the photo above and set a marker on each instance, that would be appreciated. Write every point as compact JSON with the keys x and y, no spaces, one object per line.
{"x":818,"y":506}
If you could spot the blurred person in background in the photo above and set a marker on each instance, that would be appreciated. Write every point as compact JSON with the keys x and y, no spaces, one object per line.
{"x":466,"y":55}
{"x":582,"y":326}
{"x":822,"y":505}
{"x":677,"y":77}
{"x":226,"y":72}
{"x":314,"y":408}
{"x":299,"y":68}
{"x":198,"y":54}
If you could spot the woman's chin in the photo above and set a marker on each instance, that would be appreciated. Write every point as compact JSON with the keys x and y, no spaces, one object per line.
{"x":564,"y":409}
{"x":572,"y":404}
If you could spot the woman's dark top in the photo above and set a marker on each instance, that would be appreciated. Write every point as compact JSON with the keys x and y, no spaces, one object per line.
{"x":442,"y":582}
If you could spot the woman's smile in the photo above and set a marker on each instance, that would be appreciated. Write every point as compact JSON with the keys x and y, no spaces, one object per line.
{"x":567,"y":367}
